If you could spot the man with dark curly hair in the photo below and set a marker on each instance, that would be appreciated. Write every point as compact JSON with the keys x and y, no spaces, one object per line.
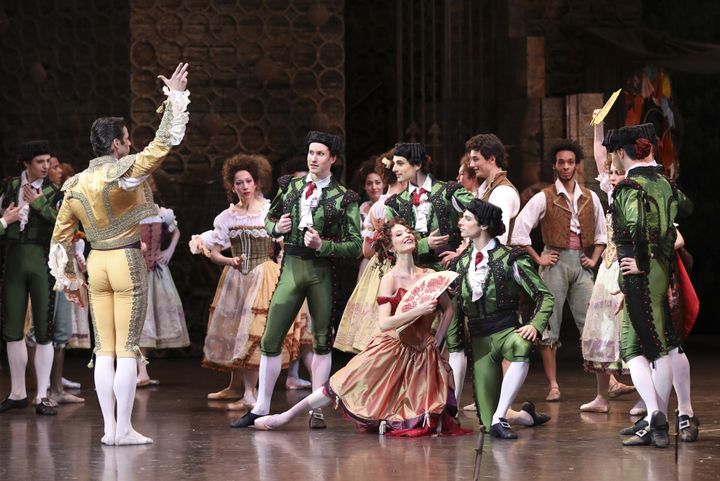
{"x":573,"y":230}
{"x":319,"y":220}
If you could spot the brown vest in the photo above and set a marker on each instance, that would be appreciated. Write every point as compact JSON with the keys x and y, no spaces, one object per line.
{"x":555,"y":226}
{"x":500,"y":179}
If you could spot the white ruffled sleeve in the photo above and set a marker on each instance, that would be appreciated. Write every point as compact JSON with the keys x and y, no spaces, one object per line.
{"x":179,"y":102}
{"x":66,"y":276}
{"x":168,"y":218}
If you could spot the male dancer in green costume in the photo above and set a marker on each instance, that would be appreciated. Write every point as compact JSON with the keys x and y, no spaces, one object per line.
{"x":26,"y":272}
{"x":491,"y":279}
{"x":320,"y":220}
{"x":644,"y":210}
{"x":432,"y":207}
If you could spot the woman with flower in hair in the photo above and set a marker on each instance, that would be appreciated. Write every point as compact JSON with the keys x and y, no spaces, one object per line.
{"x":239,"y":309}
{"x":401,"y":384}
{"x":359,"y":320}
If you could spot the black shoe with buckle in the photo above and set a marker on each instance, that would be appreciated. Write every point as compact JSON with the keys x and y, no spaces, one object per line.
{"x":659,"y":430}
{"x":640,"y":438}
{"x":639,"y":424}
{"x":316,"y":420}
{"x":45,"y":408}
{"x":687,"y":427}
{"x":9,"y":404}
{"x":502,"y":430}
{"x":247,"y":420}
{"x":538,"y":418}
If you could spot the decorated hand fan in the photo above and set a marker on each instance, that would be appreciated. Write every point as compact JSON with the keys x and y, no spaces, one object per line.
{"x":597,"y":120}
{"x":426,"y":289}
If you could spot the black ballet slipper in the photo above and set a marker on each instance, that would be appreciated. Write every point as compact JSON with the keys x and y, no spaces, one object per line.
{"x":247,"y":420}
{"x":538,"y":418}
{"x":9,"y":404}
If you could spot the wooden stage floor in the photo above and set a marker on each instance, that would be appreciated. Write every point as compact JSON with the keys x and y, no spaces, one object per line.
{"x":193,"y":440}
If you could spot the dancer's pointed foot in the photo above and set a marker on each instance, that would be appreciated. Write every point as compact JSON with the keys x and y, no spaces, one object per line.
{"x":131,"y":438}
{"x":238,"y":406}
{"x":268,"y":423}
{"x":293,"y":383}
{"x":66,"y":398}
{"x":597,"y":405}
{"x":619,"y":389}
{"x":227,"y":394}
{"x":145,"y":382}
{"x":553,"y":394}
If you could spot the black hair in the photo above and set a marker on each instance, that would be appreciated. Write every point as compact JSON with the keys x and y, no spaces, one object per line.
{"x":566,"y":144}
{"x":102,"y":133}
{"x":487,"y":214}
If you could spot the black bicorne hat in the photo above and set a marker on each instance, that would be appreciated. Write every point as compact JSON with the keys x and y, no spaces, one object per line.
{"x":333,"y":142}
{"x":414,"y":152}
{"x":618,"y":138}
{"x":28,"y":150}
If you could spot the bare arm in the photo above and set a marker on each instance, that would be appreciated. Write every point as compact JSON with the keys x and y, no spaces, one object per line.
{"x":389,"y":322}
{"x":221,"y":260}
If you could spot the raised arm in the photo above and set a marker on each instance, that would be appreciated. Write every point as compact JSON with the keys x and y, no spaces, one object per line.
{"x":599,"y":150}
{"x":170,"y":132}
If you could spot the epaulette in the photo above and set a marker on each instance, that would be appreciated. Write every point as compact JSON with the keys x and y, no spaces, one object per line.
{"x":70,"y":183}
{"x":451,"y":187}
{"x":515,"y":254}
{"x":392,"y":202}
{"x":350,"y":197}
{"x":284,"y":181}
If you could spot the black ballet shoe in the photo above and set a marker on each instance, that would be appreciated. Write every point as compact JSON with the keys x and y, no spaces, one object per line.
{"x":538,"y":418}
{"x":45,"y":408}
{"x":687,"y":427}
{"x":639,"y":425}
{"x":9,"y":404}
{"x":659,"y":430}
{"x":247,"y":420}
{"x":502,"y":430}
{"x":316,"y":420}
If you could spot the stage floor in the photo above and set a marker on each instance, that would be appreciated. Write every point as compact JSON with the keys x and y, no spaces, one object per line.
{"x":193,"y":440}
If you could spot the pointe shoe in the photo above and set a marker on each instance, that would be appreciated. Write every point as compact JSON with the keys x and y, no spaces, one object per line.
{"x":470,"y":407}
{"x":538,"y":418}
{"x":9,"y":404}
{"x":263,"y":423}
{"x":132,"y":438}
{"x":67,"y":384}
{"x":595,"y":406}
{"x":240,"y":405}
{"x":294,"y":383}
{"x":553,"y":394}
{"x":225,"y":395}
{"x":108,"y":440}
{"x":66,"y":398}
{"x":619,"y":389}
{"x":502,"y":430}
{"x":638,"y":409}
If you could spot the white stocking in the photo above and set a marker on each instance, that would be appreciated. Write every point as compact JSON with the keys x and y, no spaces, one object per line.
{"x":104,"y":380}
{"x":458,"y":363}
{"x":270,"y":368}
{"x":681,"y":381}
{"x":317,"y":399}
{"x":321,"y":365}
{"x":307,"y":355}
{"x":17,"y":358}
{"x":512,"y":382}
{"x":663,"y":381}
{"x":294,"y":369}
{"x":44,"y":354}
{"x":643,"y":380}
{"x":124,"y":389}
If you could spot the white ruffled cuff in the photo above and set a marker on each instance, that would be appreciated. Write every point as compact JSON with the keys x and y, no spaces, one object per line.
{"x":23,"y":216}
{"x":168,"y":217}
{"x":178,"y":102}
{"x":58,"y":261}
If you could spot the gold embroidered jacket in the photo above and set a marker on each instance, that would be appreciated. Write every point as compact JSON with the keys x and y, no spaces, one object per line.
{"x":111,"y":197}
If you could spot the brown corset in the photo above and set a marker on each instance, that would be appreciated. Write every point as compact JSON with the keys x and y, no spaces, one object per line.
{"x":253,"y":251}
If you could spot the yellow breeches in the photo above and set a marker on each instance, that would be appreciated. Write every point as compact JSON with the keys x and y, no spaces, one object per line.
{"x":118,"y":300}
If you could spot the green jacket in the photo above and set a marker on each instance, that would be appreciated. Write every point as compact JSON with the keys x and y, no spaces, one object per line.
{"x":448,"y":201}
{"x":336,"y":217}
{"x":41,"y":216}
{"x":645,"y":206}
{"x":501,"y":292}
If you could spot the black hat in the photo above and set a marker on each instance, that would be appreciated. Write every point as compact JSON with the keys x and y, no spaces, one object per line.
{"x":414,"y":152}
{"x":28,"y":150}
{"x":333,"y":142}
{"x":618,"y":138}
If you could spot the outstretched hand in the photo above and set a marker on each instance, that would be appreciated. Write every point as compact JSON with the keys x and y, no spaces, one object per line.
{"x":178,"y":80}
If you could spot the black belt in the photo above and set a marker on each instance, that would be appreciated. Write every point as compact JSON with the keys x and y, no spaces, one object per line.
{"x":496,"y":322}
{"x":134,"y":245}
{"x":301,"y":252}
